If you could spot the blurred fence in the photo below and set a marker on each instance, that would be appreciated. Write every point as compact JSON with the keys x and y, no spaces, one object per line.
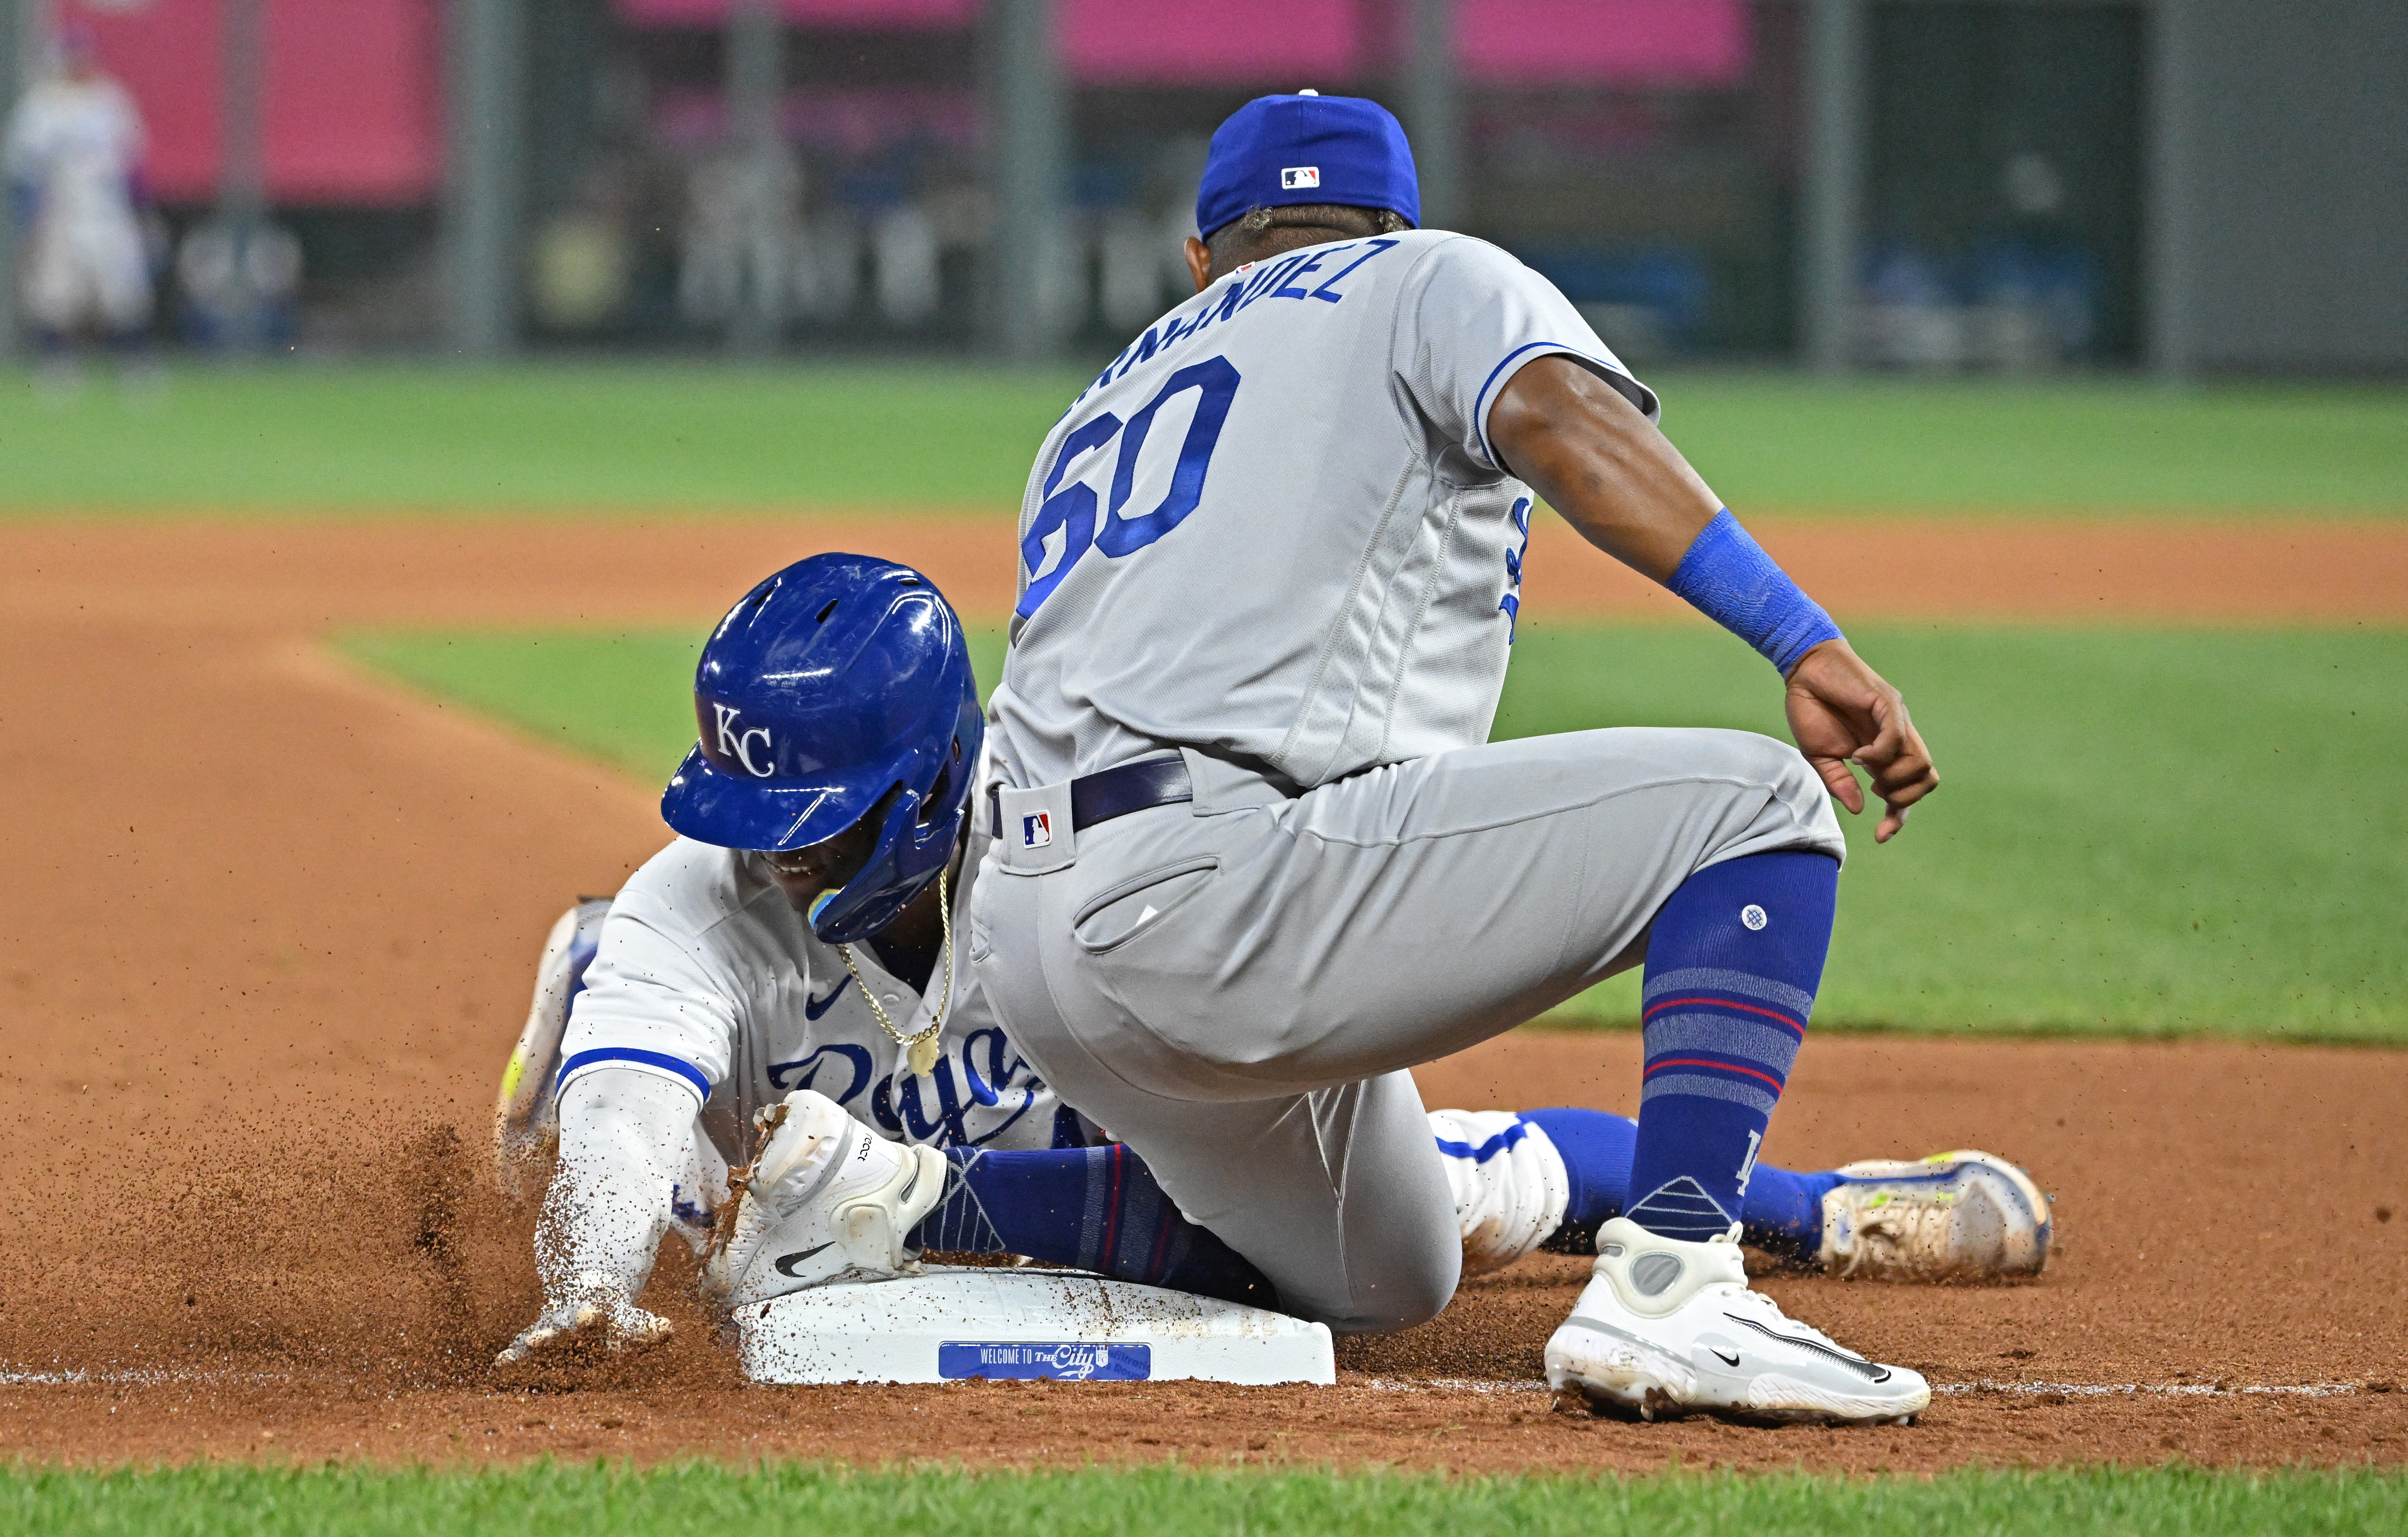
{"x":1923,"y":184}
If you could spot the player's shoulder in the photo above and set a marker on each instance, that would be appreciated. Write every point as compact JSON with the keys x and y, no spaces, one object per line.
{"x":690,"y":888}
{"x":1437,"y":256}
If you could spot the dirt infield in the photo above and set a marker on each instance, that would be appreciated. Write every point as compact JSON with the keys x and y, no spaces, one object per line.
{"x":267,"y":933}
{"x":1955,"y":569}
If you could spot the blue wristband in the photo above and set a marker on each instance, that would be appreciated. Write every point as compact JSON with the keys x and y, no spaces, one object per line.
{"x":1732,"y":581}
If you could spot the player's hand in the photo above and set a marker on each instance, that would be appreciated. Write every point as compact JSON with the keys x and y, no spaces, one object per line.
{"x":1841,"y":711}
{"x":596,"y":1317}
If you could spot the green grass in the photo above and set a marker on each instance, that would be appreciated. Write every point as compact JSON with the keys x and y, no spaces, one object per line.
{"x":624,"y":696}
{"x":542,"y":1500}
{"x":638,"y":436}
{"x":2139,"y":832}
{"x":649,"y":437}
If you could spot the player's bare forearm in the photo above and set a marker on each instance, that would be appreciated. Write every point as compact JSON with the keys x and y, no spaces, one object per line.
{"x":1597,"y":461}
{"x":1601,"y":463}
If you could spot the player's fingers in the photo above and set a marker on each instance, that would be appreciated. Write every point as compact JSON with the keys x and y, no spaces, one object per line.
{"x":1889,"y":736}
{"x":530,"y":1339}
{"x":632,"y":1329}
{"x":1841,"y":783}
{"x":1908,"y":774}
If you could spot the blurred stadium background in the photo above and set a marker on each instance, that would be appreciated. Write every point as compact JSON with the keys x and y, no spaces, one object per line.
{"x":2187,"y":186}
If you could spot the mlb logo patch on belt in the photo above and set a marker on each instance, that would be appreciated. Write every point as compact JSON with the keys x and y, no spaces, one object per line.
{"x":1293,"y":177}
{"x":1037,"y":832}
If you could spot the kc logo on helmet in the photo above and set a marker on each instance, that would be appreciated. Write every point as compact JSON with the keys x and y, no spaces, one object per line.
{"x":1295,"y":177}
{"x":1037,"y":831}
{"x":739,"y":744}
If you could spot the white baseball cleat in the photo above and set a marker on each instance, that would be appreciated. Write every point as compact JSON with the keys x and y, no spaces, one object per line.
{"x":1953,"y":1217}
{"x":829,"y":1200}
{"x":1667,"y":1327}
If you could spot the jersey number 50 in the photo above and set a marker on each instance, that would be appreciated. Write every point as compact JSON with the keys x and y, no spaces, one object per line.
{"x":1070,"y":511}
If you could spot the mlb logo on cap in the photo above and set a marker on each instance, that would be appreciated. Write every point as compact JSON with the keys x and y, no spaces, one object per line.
{"x":1037,"y":831}
{"x":1277,"y":152}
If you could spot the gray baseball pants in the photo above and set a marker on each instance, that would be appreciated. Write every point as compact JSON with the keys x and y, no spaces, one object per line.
{"x":1236,"y":987}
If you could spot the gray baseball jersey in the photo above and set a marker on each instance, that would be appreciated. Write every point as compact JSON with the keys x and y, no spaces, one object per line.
{"x":1275,"y":528}
{"x":1276,"y":537}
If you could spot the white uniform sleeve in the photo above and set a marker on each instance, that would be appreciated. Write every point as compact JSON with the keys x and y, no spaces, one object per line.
{"x":627,"y":1141}
{"x":1470,"y":318}
{"x":655,"y":1001}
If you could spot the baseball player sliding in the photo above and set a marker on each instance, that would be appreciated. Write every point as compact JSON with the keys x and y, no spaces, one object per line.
{"x":790,"y":962}
{"x":1254,"y":855}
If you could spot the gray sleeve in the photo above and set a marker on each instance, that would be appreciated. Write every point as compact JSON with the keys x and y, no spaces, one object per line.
{"x":1471,"y":317}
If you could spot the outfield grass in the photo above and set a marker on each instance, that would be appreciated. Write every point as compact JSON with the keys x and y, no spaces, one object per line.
{"x":540,"y":1501}
{"x":2139,"y":832}
{"x":649,"y":437}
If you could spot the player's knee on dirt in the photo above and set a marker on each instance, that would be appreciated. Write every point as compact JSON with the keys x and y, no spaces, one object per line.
{"x":1509,"y":1183}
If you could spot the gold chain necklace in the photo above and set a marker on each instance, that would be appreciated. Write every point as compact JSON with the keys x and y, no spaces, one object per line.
{"x":922,"y":1048}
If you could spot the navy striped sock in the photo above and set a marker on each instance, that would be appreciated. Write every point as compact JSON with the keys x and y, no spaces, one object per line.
{"x":1781,"y":1209}
{"x":1733,"y":961}
{"x":1089,"y":1208}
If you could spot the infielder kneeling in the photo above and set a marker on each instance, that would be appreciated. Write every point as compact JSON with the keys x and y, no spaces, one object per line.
{"x":790,"y":960}
{"x":1256,"y":856}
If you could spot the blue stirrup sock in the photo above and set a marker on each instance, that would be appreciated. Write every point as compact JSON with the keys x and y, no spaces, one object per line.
{"x":1781,"y":1210}
{"x":1733,"y":960}
{"x":1089,"y":1208}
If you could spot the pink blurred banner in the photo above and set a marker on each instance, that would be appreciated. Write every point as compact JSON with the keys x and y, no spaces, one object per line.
{"x":353,"y":105}
{"x":1284,"y":44}
{"x":1280,"y":44}
{"x":901,"y":15}
{"x":1606,"y":42}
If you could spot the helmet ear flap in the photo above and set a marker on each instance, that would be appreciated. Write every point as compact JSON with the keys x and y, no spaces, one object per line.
{"x":932,"y":804}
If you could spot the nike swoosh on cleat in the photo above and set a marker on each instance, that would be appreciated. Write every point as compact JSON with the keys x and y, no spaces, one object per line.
{"x":1870,"y":1371}
{"x":1726,"y":1360}
{"x":814,"y":1006}
{"x":786,"y":1262}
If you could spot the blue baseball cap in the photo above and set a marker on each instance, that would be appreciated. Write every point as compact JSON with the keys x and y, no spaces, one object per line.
{"x":1277,"y":151}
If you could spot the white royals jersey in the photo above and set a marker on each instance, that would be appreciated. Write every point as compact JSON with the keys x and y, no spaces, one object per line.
{"x":708,"y":977}
{"x":78,"y":143}
{"x":1275,"y":528}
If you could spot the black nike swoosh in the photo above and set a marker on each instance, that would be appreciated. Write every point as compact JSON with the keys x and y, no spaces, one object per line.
{"x":814,"y":1006}
{"x":786,"y":1262}
{"x":1726,"y":1360}
{"x":1870,"y":1371}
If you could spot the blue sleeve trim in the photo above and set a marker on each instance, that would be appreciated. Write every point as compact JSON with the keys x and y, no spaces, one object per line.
{"x":1501,"y":1143}
{"x":677,"y":1065}
{"x":1730,"y":579}
{"x":1618,"y":378}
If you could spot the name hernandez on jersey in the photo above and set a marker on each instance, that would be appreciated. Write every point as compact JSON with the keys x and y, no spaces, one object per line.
{"x":707,"y":976}
{"x":1274,"y":528}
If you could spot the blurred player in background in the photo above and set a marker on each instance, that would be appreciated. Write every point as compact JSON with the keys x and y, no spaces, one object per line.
{"x":73,"y":164}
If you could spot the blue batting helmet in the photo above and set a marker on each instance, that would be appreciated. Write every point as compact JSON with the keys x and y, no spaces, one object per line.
{"x":839,"y":688}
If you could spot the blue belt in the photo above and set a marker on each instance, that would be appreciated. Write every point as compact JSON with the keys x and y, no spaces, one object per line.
{"x":1117,"y":792}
